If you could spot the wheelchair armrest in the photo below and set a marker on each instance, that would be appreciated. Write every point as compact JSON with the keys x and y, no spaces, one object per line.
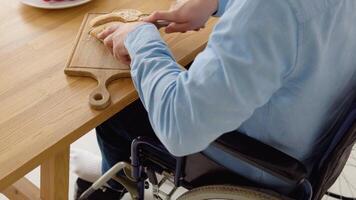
{"x":262,"y":156}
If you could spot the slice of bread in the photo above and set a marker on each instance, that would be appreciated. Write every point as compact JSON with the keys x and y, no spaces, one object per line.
{"x":130,"y":15}
{"x":100,"y":23}
{"x":103,"y":19}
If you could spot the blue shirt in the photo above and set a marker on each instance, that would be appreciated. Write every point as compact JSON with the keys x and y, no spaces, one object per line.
{"x":274,"y":70}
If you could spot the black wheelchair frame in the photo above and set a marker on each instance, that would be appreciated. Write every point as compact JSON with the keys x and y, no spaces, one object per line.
{"x":149,"y":157}
{"x":271,"y":160}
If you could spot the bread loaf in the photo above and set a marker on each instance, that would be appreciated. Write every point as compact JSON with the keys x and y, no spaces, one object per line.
{"x":102,"y":22}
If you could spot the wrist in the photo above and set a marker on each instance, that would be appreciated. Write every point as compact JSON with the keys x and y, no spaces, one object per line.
{"x":141,"y":36}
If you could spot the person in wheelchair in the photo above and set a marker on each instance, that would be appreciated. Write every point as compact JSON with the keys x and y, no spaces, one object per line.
{"x":274,"y":70}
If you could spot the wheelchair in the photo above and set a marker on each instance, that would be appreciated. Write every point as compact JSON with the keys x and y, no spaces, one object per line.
{"x":215,"y":179}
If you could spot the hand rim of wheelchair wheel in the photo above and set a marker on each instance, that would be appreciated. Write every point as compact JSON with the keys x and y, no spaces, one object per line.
{"x":228,"y":192}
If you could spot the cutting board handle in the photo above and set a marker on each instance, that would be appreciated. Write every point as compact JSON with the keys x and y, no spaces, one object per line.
{"x":100,"y":97}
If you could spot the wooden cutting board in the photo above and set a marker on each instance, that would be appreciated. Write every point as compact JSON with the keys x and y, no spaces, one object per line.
{"x":91,"y":58}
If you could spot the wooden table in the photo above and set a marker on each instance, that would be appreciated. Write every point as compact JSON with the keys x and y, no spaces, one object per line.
{"x":41,"y":110}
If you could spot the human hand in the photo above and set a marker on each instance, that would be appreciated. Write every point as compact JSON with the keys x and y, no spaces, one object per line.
{"x":114,"y":38}
{"x":186,"y":15}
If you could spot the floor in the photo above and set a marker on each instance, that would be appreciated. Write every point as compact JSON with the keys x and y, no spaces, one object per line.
{"x":88,"y":143}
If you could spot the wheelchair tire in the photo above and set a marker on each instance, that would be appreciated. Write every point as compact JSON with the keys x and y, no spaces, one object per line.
{"x":229,"y":193}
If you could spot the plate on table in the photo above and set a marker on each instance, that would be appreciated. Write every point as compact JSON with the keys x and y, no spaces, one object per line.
{"x":54,"y":4}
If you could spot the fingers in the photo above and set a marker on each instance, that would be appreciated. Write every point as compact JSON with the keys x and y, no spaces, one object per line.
{"x":122,"y":55}
{"x":161,"y":15}
{"x":108,"y":41}
{"x":174,"y":27}
{"x":120,"y":51}
{"x":108,"y":31}
{"x":183,"y":27}
{"x":126,"y":60}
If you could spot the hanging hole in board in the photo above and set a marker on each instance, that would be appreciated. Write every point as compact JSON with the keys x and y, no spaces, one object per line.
{"x":98,"y":97}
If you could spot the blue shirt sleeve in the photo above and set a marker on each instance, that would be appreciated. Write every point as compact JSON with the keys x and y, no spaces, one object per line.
{"x":222,"y":4}
{"x":251,"y":50}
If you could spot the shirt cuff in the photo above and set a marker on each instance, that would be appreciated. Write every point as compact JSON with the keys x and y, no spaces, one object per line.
{"x":221,"y":8}
{"x":140,"y":36}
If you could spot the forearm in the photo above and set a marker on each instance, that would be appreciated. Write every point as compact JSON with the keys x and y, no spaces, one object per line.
{"x":176,"y":103}
{"x":154,"y":73}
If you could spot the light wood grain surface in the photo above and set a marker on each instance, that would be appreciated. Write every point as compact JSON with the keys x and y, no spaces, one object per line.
{"x":91,"y":58}
{"x":55,"y":176}
{"x":23,"y":189}
{"x":41,"y":110}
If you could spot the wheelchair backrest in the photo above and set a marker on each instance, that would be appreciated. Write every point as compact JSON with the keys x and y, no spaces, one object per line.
{"x":343,"y":133}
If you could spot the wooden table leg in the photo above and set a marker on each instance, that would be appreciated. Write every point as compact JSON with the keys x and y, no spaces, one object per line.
{"x":55,"y":176}
{"x":23,"y":189}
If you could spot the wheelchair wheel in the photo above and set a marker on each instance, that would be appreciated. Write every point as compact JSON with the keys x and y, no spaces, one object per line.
{"x":228,"y":193}
{"x":345,"y":186}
